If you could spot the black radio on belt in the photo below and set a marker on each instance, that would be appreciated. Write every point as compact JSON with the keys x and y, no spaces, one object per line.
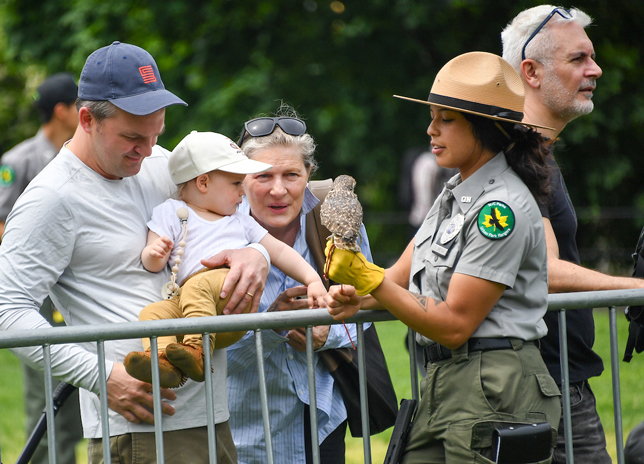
{"x":521,"y":443}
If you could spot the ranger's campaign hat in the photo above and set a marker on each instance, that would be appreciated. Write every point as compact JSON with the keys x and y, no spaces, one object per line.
{"x":126,"y":76}
{"x":479,"y":83}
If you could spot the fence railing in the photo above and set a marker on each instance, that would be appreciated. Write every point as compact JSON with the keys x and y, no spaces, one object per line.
{"x":288,"y":320}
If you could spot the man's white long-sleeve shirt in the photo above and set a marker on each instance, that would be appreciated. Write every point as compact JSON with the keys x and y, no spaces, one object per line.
{"x":77,"y":236}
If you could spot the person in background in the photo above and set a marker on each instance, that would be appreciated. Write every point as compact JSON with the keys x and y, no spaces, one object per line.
{"x":427,"y":181}
{"x":76,"y":234}
{"x":549,"y":48}
{"x":55,"y":100}
{"x":279,"y":200}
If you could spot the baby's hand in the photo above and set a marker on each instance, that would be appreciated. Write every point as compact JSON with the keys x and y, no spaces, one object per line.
{"x":316,"y":293}
{"x":160,"y":248}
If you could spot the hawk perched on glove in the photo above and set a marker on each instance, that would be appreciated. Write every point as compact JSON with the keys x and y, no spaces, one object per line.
{"x":341,"y":213}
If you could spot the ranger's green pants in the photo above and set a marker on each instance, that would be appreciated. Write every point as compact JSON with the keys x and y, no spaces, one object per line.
{"x":466,"y":395}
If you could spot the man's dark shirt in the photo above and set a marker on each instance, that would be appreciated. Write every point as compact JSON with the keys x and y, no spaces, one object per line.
{"x":583,"y":361}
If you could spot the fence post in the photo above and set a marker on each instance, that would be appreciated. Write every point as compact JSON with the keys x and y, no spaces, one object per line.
{"x":49,"y":405}
{"x":263,"y":396}
{"x":210,"y":402}
{"x":617,"y":399}
{"x":156,"y":400}
{"x":364,"y":396}
{"x":413,"y":366}
{"x":105,"y":422}
{"x":310,"y":364}
{"x":565,"y":385}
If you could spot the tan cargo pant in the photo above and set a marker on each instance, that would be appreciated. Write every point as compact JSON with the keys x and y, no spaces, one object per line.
{"x":197,"y":297}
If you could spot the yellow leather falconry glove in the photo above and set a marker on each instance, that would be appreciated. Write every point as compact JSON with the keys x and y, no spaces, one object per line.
{"x":351,"y":268}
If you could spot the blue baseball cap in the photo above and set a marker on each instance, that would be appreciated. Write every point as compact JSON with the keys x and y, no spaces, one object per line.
{"x":126,"y":76}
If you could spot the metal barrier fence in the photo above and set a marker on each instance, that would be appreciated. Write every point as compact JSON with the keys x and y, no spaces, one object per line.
{"x":287,"y":320}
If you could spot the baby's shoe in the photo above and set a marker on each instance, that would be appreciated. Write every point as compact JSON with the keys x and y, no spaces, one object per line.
{"x":139,"y":365}
{"x":188,"y":359}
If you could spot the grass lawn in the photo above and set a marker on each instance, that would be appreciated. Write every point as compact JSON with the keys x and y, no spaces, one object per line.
{"x":392,"y":334}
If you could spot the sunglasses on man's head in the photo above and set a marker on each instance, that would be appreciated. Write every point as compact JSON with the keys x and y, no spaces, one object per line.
{"x":565,"y":14}
{"x":260,"y":127}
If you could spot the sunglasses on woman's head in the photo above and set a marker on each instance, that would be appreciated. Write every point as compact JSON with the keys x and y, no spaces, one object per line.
{"x":260,"y":127}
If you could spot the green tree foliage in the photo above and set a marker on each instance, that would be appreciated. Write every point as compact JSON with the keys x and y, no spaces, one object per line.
{"x":338,"y":63}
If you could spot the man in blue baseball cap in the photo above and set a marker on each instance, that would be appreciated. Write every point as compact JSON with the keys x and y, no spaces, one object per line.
{"x":77,"y":233}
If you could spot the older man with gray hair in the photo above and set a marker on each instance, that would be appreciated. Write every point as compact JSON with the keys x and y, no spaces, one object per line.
{"x":550,"y":49}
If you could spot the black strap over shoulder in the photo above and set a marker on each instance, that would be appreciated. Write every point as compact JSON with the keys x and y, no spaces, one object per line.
{"x":635,"y":314}
{"x":316,"y":233}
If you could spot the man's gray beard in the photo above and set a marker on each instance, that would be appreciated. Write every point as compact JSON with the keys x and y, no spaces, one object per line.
{"x":562,"y":102}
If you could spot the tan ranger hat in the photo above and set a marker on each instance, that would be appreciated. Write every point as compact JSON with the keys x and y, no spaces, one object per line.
{"x":479,"y":83}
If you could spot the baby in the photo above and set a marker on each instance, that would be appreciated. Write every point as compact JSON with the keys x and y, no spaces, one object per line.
{"x":209,"y":170}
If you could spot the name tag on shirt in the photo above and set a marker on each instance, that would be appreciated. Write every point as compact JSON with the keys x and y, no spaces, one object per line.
{"x":440,"y":250}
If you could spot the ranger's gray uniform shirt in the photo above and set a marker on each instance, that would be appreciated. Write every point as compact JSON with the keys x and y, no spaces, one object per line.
{"x":512,"y":255}
{"x":19,"y":166}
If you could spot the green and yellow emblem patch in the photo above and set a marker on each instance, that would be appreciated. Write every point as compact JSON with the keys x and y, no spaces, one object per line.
{"x":7,"y":175}
{"x":496,"y":220}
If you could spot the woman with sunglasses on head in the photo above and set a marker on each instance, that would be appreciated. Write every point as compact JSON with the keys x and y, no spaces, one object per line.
{"x":473,"y":281}
{"x":279,"y":200}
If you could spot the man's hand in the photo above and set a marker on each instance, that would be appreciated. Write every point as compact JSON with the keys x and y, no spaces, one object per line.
{"x":132,"y":398}
{"x":343,"y":301}
{"x":247,"y":276}
{"x":297,"y":337}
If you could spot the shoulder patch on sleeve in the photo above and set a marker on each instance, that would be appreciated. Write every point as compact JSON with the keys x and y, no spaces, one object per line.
{"x":7,"y":175}
{"x":496,"y":220}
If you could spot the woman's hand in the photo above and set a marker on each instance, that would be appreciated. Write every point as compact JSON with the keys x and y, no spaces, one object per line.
{"x":343,"y":301}
{"x":297,"y":337}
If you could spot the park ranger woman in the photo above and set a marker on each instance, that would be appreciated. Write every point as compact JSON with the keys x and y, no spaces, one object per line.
{"x":475,"y":272}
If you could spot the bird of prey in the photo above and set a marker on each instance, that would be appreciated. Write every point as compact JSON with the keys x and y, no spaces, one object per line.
{"x":341,"y":213}
{"x":495,"y":220}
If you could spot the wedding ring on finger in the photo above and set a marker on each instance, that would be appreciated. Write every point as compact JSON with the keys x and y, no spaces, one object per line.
{"x":249,"y":294}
